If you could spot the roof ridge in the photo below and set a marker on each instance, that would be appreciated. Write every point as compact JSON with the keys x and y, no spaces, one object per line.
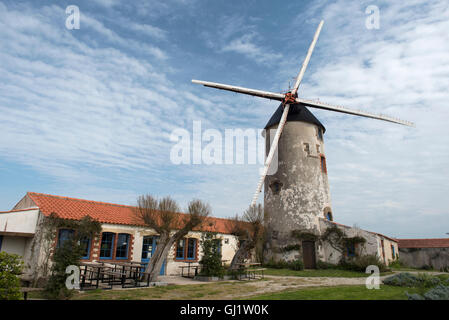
{"x":78,"y":199}
{"x":103,"y":203}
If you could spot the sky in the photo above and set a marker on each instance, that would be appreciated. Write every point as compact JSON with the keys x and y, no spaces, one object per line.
{"x":88,"y":112}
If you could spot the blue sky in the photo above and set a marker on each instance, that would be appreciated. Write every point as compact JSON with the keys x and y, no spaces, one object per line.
{"x":88,"y":113}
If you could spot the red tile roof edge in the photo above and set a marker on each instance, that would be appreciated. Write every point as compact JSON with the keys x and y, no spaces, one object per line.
{"x":35,"y":197}
{"x":424,"y":243}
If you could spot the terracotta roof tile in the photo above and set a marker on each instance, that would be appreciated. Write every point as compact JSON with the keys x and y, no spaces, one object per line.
{"x":424,"y":243}
{"x":72,"y":208}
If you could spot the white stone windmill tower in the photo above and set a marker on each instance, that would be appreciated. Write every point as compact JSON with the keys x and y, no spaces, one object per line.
{"x":297,"y":195}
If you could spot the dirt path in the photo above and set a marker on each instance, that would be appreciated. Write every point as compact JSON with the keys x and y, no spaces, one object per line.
{"x":241,"y":289}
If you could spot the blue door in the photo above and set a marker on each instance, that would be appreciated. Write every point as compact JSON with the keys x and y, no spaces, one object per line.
{"x":148,"y":247}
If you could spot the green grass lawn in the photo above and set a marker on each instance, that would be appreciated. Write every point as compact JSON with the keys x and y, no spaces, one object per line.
{"x":340,"y":293}
{"x":335,"y":273}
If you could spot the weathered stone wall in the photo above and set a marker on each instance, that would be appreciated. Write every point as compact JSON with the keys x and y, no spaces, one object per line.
{"x":297,"y":195}
{"x":332,"y":255}
{"x":438,"y":258}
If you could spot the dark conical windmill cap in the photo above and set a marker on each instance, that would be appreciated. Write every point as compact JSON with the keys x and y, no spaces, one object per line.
{"x":297,"y":112}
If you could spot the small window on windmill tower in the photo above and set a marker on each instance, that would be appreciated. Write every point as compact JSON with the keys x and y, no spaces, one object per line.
{"x":319,"y":133}
{"x":276,"y":187}
{"x":328,"y":216}
{"x":323,"y":164}
{"x":307,"y":148}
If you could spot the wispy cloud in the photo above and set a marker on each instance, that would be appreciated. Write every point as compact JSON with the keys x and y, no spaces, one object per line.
{"x":91,"y":110}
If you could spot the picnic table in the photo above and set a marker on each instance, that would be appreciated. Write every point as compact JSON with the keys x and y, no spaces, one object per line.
{"x":92,"y":272}
{"x":128,"y":274}
{"x":196,"y":267}
{"x":251,"y":270}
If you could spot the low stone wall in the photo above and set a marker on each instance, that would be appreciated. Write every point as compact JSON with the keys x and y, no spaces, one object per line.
{"x":437,"y":258}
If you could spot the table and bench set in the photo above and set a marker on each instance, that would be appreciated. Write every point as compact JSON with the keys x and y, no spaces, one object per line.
{"x":247,"y":270}
{"x":105,"y":275}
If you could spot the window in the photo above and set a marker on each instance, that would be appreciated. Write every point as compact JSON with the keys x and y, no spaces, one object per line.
{"x":191,"y":249}
{"x":307,"y":148}
{"x":1,"y":239}
{"x":393,"y":254}
{"x":329,"y":216}
{"x":218,"y":245}
{"x":320,"y":133}
{"x":85,"y":247}
{"x":323,"y":164}
{"x":147,"y":247}
{"x":276,"y":187}
{"x":63,"y":236}
{"x":180,"y":249}
{"x":350,"y":250}
{"x":121,"y":251}
{"x":107,"y":243}
{"x":186,"y":249}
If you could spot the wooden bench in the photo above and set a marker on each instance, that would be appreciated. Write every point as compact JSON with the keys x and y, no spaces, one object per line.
{"x":252,"y":273}
{"x":25,"y":291}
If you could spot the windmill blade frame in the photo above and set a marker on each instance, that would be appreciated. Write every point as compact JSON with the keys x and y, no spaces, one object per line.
{"x":307,"y":59}
{"x":273,"y":147}
{"x":341,"y":109}
{"x":251,"y":92}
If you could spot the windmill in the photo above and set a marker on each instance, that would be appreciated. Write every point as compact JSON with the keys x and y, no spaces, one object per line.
{"x":299,"y":192}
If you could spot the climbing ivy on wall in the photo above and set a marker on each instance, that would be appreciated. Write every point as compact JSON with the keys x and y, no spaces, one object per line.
{"x":333,"y":235}
{"x":70,"y":251}
{"x":338,"y":240}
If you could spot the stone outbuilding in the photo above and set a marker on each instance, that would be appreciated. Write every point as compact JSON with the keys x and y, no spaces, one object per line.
{"x":425,"y":253}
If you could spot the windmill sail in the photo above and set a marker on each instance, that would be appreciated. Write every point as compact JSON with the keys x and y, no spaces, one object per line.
{"x":291,"y":98}
{"x":307,"y":59}
{"x":273,"y":148}
{"x":251,"y":92}
{"x":326,"y":106}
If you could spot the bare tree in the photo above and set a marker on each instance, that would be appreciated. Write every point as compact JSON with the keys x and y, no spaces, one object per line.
{"x":163,"y":216}
{"x":249,"y":230}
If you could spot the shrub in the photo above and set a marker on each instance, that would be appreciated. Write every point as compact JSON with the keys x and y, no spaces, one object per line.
{"x":296,"y":265}
{"x":405,"y":279}
{"x":322,"y":265}
{"x":211,"y":265}
{"x":360,"y":263}
{"x":440,"y":292}
{"x":281,"y":264}
{"x":68,"y":254}
{"x":426,"y":267}
{"x":10,"y":268}
{"x":397,"y":264}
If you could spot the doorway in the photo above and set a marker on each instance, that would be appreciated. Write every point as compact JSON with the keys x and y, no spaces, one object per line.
{"x":308,"y":254}
{"x":148,"y":247}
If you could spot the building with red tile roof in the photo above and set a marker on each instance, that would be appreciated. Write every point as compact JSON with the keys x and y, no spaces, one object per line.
{"x":424,"y":243}
{"x":111,"y":213}
{"x":124,"y":236}
{"x":425,"y":253}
